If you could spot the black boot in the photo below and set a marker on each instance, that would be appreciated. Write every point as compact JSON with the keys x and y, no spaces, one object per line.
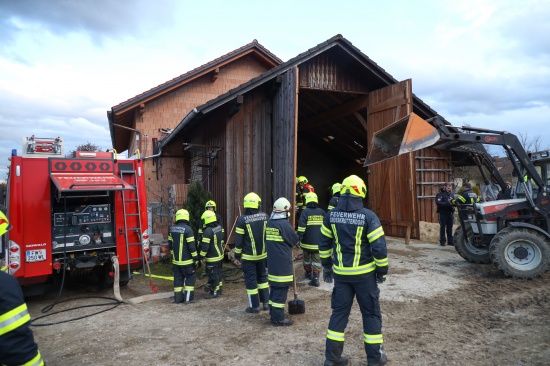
{"x":307,"y":273}
{"x":265,"y":306}
{"x":314,"y":279}
{"x":333,"y":354}
{"x":253,"y":310}
{"x":178,"y":297}
{"x":211,"y":295}
{"x":188,"y":297}
{"x":383,"y":360}
{"x":281,"y":323}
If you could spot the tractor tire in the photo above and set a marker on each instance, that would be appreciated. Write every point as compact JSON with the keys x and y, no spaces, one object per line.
{"x":520,"y":252}
{"x":468,"y":251}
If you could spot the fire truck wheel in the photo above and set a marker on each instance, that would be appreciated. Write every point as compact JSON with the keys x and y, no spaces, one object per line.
{"x":467,"y":250}
{"x":520,"y":252}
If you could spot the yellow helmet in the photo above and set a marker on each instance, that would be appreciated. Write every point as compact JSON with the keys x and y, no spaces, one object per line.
{"x":281,"y":205}
{"x":208,"y":217}
{"x":182,"y":214}
{"x":354,"y":186}
{"x":311,"y":197}
{"x":252,"y":200}
{"x":336,"y":187}
{"x":210,"y":204}
{"x":302,"y":179}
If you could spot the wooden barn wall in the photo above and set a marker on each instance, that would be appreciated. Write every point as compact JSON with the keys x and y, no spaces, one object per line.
{"x":285,"y":137}
{"x":324,"y":73}
{"x":391,"y":182}
{"x":432,"y":169}
{"x":248,"y":156}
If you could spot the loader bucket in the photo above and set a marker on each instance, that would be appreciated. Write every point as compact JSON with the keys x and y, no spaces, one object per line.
{"x":406,"y":135}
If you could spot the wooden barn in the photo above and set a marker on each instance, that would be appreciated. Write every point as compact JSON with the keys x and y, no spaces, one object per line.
{"x":313,"y":115}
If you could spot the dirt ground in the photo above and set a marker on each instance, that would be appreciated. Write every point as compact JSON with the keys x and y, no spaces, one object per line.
{"x":437,"y":310}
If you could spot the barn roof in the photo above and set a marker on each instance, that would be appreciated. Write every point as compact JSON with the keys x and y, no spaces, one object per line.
{"x":123,"y":114}
{"x":358,"y":63}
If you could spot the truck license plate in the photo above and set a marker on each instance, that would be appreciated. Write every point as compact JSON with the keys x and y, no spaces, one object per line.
{"x":36,"y":255}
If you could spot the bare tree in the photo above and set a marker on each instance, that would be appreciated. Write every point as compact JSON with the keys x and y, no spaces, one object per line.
{"x":530,"y":144}
{"x":88,"y":146}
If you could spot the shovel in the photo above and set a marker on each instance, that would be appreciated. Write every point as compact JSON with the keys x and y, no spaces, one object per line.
{"x":296,"y":306}
{"x":151,"y":284}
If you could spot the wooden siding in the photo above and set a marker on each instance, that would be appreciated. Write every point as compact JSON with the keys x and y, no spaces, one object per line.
{"x":324,"y":73}
{"x":391,"y":182}
{"x":285,"y":137}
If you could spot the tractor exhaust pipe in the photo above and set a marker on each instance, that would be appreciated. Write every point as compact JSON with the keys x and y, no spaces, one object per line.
{"x":406,"y":135}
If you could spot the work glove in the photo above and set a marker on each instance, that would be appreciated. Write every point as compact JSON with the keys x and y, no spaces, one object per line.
{"x":327,"y":274}
{"x":197,"y":262}
{"x":380,"y":277}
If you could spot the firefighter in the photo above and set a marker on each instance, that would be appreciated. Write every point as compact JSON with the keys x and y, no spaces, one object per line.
{"x":211,"y":205}
{"x":302,"y":187}
{"x":353,"y":251}
{"x":17,"y":346}
{"x":279,"y":240}
{"x":184,"y":258}
{"x":250,"y":246}
{"x":468,"y":196}
{"x":445,"y":210}
{"x":212,"y":253}
{"x":335,"y":196}
{"x":309,"y":228}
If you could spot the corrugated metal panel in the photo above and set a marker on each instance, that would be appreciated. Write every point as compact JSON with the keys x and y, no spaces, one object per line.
{"x":324,"y":73}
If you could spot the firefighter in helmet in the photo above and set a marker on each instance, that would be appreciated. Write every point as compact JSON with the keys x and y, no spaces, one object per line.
{"x":280,"y":238}
{"x":335,"y":196}
{"x":210,"y":206}
{"x":302,"y":188}
{"x":212,"y":253}
{"x":309,"y":228}
{"x":181,"y":242}
{"x":353,"y":252}
{"x":250,"y":251}
{"x":17,"y":346}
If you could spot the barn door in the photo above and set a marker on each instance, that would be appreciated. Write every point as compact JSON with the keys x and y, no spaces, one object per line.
{"x":284,"y":139}
{"x":391,"y":193}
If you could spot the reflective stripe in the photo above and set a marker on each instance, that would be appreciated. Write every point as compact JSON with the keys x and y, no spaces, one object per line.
{"x":338,"y":246}
{"x":330,"y":207}
{"x":36,"y":361}
{"x":314,"y":223}
{"x":375,"y":234}
{"x":325,"y":253}
{"x":206,"y":240}
{"x":253,"y":291}
{"x":357,"y":249}
{"x":189,"y":288}
{"x":383,"y":262}
{"x":309,"y":246}
{"x":238,"y":250}
{"x":262,"y":286}
{"x":352,"y":271}
{"x":326,"y":232}
{"x":178,"y":289}
{"x":373,"y":338}
{"x":13,"y":319}
{"x":276,"y":305}
{"x":274,"y":278}
{"x":239,"y":231}
{"x":274,"y":237}
{"x":250,"y":257}
{"x":301,"y":229}
{"x":335,"y":336}
{"x":183,"y":263}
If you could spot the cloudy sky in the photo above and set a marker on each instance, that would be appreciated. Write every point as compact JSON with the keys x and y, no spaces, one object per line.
{"x":65,"y":63}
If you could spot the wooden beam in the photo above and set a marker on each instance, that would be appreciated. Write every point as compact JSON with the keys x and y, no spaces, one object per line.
{"x":338,"y":112}
{"x":237,"y":102}
{"x":361,"y":120}
{"x":215,"y":74}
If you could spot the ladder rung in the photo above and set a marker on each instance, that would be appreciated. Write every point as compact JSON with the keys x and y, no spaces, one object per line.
{"x":132,"y":214}
{"x":130,"y":200}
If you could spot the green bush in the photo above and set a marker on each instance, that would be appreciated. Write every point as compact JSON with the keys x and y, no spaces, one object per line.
{"x":194,"y":203}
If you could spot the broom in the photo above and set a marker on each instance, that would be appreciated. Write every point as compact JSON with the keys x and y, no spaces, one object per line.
{"x":151,"y":284}
{"x":296,"y":306}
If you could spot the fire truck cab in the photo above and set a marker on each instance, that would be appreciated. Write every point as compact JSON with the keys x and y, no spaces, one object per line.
{"x":71,"y":215}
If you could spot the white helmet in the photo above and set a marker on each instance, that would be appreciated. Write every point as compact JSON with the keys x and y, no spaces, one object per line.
{"x":281,"y":205}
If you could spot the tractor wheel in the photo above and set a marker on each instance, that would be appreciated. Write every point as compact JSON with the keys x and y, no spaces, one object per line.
{"x":468,"y":251}
{"x":520,"y":252}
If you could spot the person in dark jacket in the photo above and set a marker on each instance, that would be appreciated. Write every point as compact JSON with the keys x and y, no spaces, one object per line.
{"x":468,"y":196}
{"x":280,"y":238}
{"x":210,"y":206}
{"x":212,"y":253}
{"x":506,"y":193}
{"x":309,"y":228}
{"x":17,"y":346}
{"x":250,"y":252}
{"x":445,"y":211}
{"x":353,"y":251}
{"x":335,"y":196}
{"x":181,"y":243}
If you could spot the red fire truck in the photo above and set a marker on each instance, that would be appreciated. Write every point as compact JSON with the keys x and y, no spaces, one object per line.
{"x":70,"y":216}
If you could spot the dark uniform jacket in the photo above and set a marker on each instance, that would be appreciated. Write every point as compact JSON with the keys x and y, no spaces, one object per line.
{"x":212,"y":243}
{"x":309,"y":227}
{"x":352,"y":240}
{"x":250,"y":239}
{"x":333,"y":201}
{"x":17,"y":346}
{"x":443,"y":201}
{"x":467,"y":197}
{"x":181,"y":242}
{"x":279,"y":240}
